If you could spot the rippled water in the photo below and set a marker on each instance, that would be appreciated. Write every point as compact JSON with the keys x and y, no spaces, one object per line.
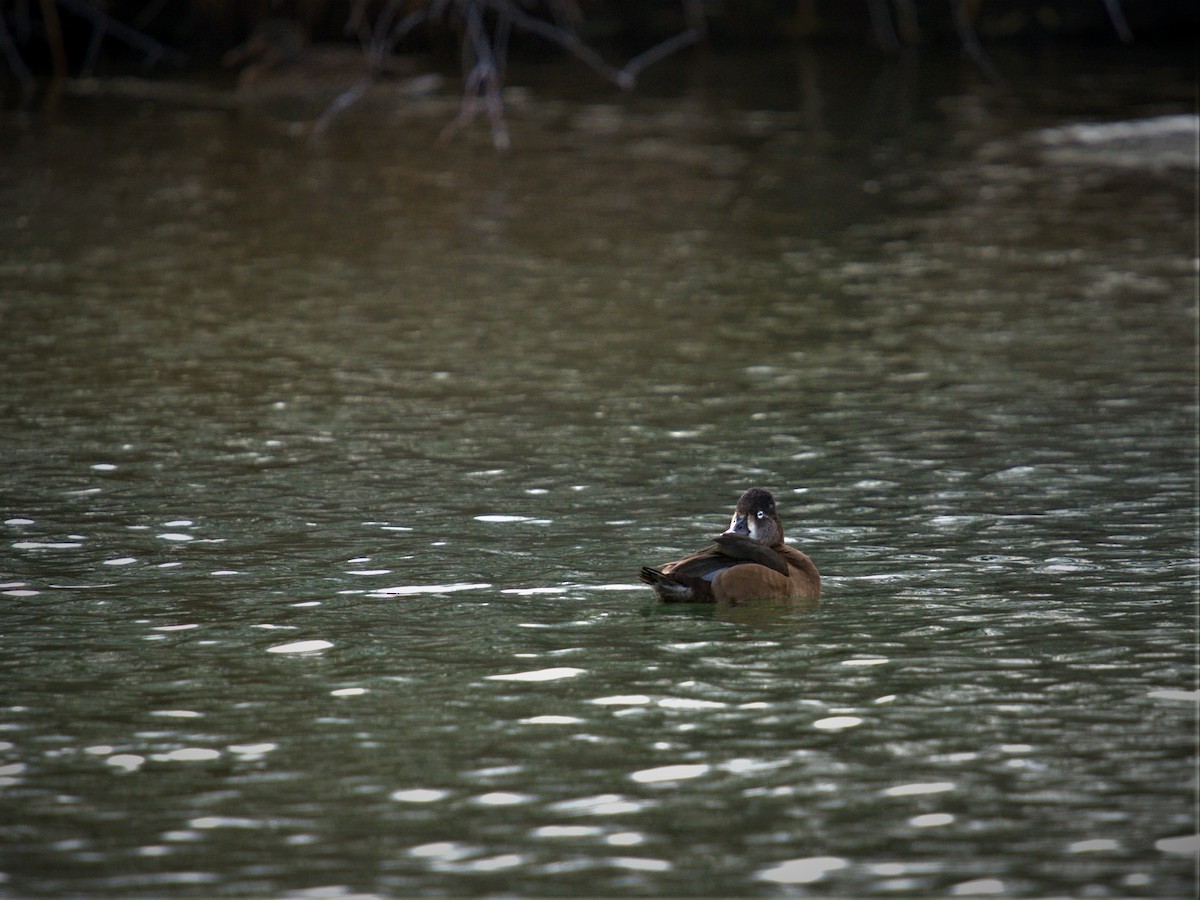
{"x":328,"y":470}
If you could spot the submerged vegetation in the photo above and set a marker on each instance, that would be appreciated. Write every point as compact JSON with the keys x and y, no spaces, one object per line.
{"x":60,"y":39}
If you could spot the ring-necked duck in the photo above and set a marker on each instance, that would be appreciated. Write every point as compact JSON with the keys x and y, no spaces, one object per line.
{"x":749,"y":561}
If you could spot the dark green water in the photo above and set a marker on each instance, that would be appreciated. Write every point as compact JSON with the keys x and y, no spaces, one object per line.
{"x":432,"y":409}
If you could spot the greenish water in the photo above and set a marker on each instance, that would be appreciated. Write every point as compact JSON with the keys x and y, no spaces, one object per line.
{"x":328,"y":469}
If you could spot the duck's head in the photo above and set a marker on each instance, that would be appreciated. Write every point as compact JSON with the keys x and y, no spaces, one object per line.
{"x":755,"y":517}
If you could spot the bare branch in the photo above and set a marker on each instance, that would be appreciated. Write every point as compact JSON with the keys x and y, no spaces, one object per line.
{"x":635,"y":66}
{"x":341,"y":103}
{"x":567,"y":40}
{"x":1117,"y":16}
{"x":485,"y":54}
{"x":483,"y":81}
{"x":970,"y":41}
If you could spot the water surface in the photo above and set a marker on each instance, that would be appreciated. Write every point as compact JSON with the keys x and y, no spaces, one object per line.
{"x":328,"y":469}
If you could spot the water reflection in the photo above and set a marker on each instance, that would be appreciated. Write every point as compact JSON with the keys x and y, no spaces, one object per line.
{"x":322,"y":538}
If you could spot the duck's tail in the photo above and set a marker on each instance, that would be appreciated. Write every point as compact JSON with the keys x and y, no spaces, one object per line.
{"x":668,"y":589}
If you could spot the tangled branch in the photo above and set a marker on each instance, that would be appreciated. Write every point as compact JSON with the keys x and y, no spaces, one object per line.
{"x":894,"y":23}
{"x":103,"y":26}
{"x":487,"y":26}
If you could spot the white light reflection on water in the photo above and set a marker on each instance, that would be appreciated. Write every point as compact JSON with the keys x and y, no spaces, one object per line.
{"x":622,"y":700}
{"x":601,"y":805}
{"x":252,"y":751}
{"x":672,"y":773}
{"x":979,"y":887}
{"x":931,"y":820}
{"x":187,"y":754}
{"x":917,"y":789}
{"x":837,"y":723}
{"x":127,"y":762}
{"x":502,"y":519}
{"x":1184,"y":845}
{"x":502,"y":798}
{"x":314,"y":646}
{"x":419,"y":795}
{"x":408,"y":590}
{"x":802,"y":871}
{"x":554,"y":673}
{"x":640,"y":864}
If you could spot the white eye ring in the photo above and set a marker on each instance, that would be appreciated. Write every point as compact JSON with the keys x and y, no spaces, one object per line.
{"x":760,"y":514}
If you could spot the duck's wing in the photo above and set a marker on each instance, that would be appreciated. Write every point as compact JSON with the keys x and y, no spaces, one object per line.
{"x":699,"y":566}
{"x":727,"y":550}
{"x":688,"y":580}
{"x":745,"y":549}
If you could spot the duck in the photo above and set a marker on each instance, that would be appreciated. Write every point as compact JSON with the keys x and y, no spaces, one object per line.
{"x":748,"y":561}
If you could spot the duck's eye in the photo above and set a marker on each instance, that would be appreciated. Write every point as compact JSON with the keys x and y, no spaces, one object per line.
{"x":760,"y":514}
